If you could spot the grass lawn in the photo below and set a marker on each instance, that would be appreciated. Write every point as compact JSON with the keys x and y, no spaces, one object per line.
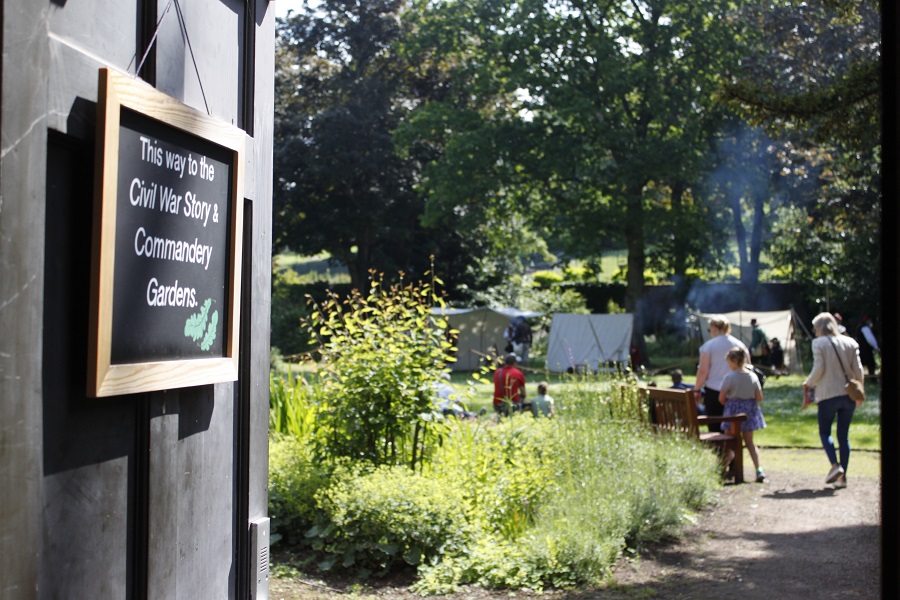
{"x":312,"y":268}
{"x":787,"y":425}
{"x":791,"y":427}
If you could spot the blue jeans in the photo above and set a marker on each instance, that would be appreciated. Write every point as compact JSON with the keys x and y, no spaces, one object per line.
{"x":841,"y":407}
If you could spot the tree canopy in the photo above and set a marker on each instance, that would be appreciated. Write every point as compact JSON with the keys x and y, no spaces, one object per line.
{"x":586,"y":115}
{"x":814,"y":83}
{"x":339,"y":184}
{"x":492,"y":132}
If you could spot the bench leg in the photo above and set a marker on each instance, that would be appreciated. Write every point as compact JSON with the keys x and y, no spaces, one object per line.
{"x":732,"y":458}
{"x":738,"y":464}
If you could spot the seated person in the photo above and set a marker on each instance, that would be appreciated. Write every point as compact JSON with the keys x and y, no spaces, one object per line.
{"x":509,"y":387}
{"x":678,"y":381}
{"x":679,"y":384}
{"x":543,"y":405}
{"x":447,"y":401}
{"x":777,"y":354}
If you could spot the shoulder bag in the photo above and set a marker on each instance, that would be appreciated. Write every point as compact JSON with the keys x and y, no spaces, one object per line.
{"x":854,"y":387}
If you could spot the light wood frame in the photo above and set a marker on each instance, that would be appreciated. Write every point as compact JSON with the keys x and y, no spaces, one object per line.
{"x":115,"y":91}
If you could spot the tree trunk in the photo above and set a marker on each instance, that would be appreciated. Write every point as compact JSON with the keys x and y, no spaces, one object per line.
{"x":679,"y":260}
{"x":634,"y":235}
{"x":740,"y":233}
{"x":358,"y":266}
{"x":750,"y":275}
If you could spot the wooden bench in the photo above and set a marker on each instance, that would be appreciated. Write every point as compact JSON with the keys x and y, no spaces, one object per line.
{"x":675,"y":411}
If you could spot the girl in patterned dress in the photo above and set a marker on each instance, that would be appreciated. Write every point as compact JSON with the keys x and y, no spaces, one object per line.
{"x":741,"y":393}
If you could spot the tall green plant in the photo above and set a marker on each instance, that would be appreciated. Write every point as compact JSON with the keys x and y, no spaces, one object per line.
{"x":381,"y":355}
{"x":520,"y":503}
{"x":559,"y":499}
{"x":292,"y":409}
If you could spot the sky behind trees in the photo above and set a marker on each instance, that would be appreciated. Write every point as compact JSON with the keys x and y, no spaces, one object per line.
{"x":283,"y":6}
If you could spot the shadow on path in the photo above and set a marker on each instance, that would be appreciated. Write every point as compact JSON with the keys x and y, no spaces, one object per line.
{"x":792,"y":539}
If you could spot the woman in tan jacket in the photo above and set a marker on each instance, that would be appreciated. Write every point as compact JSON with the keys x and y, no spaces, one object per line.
{"x":835,"y":358}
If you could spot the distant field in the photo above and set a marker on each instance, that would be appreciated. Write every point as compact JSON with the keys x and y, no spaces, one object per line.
{"x":320,"y":267}
{"x":611,"y":262}
{"x":312,"y":268}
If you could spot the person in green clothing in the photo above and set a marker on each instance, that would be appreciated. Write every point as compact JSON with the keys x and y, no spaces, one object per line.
{"x":759,"y":345}
{"x":543,"y":405}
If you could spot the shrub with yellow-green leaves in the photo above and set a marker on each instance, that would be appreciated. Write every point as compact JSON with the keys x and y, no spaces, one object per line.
{"x":365,"y":476}
{"x":294,"y":479}
{"x":379,"y":520}
{"x":381,"y":355}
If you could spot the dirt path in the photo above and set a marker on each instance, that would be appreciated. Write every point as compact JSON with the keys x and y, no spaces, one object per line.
{"x":791,"y":538}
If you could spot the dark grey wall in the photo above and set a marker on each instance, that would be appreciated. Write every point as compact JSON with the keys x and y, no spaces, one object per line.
{"x":146,"y":495}
{"x":22,"y":160}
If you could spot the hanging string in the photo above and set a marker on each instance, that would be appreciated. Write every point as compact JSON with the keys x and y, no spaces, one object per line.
{"x":152,"y":41}
{"x":191,"y":49}
{"x":187,"y":38}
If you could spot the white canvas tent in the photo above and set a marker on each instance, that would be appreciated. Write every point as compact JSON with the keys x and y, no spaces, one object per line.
{"x":776,"y":324}
{"x":586,"y":341}
{"x":480,"y":332}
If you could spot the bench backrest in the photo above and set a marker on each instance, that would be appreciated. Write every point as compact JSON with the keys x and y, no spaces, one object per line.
{"x":673,"y":410}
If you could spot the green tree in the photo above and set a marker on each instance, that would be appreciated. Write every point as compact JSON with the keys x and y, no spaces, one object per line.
{"x":814,"y":82}
{"x":462,"y":128}
{"x":570,"y":112}
{"x":815,"y":69}
{"x":339,"y":184}
{"x":748,"y":181}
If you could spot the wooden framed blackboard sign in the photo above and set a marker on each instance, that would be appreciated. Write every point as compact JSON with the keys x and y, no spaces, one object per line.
{"x":168,"y":214}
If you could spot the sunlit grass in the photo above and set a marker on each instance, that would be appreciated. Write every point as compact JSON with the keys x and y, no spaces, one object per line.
{"x":787,"y":425}
{"x":311,"y":269}
{"x":790,"y":426}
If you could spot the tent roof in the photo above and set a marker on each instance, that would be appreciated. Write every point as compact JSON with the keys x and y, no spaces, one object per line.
{"x":480,"y":332}
{"x":586,"y":341}
{"x":775,"y":323}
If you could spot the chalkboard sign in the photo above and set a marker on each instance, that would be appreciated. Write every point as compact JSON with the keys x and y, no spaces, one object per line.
{"x":167,"y":243}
